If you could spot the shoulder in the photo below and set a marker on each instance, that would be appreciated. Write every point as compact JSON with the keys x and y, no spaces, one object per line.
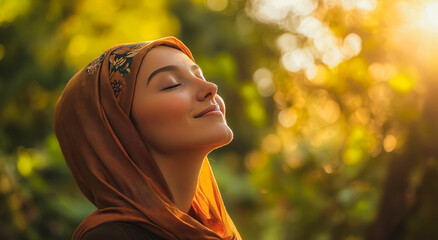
{"x":120,"y":231}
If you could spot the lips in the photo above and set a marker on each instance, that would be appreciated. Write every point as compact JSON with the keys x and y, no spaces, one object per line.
{"x":209,"y":109}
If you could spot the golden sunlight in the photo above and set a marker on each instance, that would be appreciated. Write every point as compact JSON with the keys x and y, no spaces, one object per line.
{"x":430,"y":18}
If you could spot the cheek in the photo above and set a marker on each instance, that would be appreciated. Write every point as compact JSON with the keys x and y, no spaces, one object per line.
{"x":163,"y":114}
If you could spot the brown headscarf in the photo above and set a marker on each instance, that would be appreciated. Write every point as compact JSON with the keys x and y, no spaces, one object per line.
{"x":110,"y":162}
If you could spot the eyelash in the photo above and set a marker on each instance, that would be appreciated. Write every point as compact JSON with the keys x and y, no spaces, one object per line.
{"x":176,"y":85}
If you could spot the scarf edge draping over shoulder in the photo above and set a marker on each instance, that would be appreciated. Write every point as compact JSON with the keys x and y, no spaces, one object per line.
{"x":111,"y":164}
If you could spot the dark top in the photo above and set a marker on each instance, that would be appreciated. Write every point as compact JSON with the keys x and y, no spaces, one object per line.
{"x":120,"y":231}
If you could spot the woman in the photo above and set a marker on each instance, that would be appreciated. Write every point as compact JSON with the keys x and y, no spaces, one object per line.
{"x":135,"y":127}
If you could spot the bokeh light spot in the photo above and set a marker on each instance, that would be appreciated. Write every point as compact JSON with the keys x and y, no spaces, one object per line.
{"x":24,"y":163}
{"x":287,"y":42}
{"x":265,"y":85}
{"x":271,"y":143}
{"x":402,"y":83}
{"x":217,"y":5}
{"x":297,"y":60}
{"x":287,"y":117}
{"x":352,"y":45}
{"x":389,"y":143}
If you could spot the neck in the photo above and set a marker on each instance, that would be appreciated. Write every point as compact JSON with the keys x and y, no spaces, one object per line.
{"x":181,"y":171}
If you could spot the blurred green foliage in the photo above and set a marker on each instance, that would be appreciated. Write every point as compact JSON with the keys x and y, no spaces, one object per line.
{"x":339,"y":150}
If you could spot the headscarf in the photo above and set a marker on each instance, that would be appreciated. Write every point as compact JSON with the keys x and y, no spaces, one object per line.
{"x":110,"y":162}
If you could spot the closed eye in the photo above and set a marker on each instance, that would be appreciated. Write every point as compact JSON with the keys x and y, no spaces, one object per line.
{"x":176,"y":85}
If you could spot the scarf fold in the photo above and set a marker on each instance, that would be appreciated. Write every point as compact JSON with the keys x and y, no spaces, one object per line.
{"x":110,"y":162}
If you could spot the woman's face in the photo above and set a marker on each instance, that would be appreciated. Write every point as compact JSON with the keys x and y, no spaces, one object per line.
{"x":166,"y":103}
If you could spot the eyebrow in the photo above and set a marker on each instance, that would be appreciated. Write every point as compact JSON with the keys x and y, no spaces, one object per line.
{"x":169,"y":68}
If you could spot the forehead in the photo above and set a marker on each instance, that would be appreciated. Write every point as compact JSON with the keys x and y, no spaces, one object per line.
{"x":161,"y":56}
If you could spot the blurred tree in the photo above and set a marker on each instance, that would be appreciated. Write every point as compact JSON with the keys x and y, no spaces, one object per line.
{"x":345,"y":113}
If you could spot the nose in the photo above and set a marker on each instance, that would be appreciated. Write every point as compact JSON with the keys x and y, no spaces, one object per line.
{"x":207,"y":91}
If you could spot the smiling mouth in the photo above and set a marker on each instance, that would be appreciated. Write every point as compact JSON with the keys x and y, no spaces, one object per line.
{"x":212,"y":108}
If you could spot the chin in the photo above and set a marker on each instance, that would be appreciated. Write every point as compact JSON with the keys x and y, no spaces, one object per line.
{"x":224,"y":139}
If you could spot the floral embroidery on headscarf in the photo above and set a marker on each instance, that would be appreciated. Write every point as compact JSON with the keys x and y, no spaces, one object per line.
{"x":120,"y":62}
{"x":95,"y":64}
